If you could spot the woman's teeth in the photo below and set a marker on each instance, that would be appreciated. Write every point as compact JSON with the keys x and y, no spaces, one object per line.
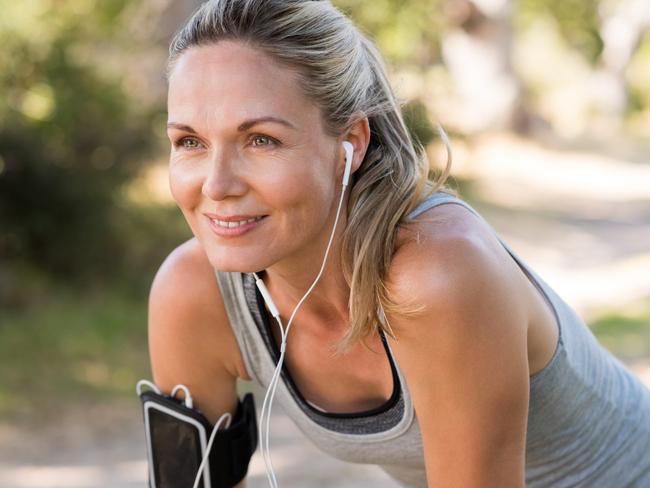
{"x":223,"y":223}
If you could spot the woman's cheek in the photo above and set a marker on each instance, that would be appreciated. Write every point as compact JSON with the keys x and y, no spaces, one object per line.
{"x":185,"y":189}
{"x":185,"y":186}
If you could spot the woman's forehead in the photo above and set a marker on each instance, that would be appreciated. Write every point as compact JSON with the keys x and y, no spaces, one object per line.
{"x":234,"y":82}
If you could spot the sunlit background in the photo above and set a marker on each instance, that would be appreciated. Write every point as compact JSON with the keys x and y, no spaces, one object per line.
{"x":547,"y":103}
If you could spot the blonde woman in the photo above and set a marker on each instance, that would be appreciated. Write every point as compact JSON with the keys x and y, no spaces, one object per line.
{"x":427,"y":347}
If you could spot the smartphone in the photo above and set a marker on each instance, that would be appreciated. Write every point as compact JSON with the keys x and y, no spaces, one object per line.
{"x":176,"y":438}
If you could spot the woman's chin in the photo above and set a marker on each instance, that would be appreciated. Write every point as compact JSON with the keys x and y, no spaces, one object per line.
{"x":236,"y":264}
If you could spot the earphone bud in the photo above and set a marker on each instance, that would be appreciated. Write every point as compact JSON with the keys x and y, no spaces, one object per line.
{"x":349,"y":151}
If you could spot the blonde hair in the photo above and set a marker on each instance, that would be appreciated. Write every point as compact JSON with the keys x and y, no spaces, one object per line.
{"x":341,"y":70}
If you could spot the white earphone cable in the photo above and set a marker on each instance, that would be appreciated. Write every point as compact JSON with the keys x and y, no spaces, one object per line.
{"x":225,"y":417}
{"x":265,"y":415}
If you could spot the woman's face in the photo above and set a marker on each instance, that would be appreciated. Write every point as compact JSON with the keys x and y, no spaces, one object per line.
{"x":251,"y":167}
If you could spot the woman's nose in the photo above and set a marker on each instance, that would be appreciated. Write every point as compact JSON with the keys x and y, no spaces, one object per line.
{"x":223,"y":179}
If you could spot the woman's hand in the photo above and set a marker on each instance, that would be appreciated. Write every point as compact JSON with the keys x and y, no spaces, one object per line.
{"x":464,"y":356}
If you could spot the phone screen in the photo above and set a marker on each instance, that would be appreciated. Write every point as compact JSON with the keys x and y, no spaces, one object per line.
{"x":176,"y":450}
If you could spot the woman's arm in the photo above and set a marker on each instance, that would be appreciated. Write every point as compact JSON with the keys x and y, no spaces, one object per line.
{"x":190,"y":340}
{"x":464,"y":356}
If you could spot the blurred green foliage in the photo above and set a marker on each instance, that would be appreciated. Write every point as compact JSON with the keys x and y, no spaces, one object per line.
{"x":407,"y":34}
{"x":638,"y":75}
{"x":63,"y":350}
{"x":625,"y":332}
{"x":417,"y":121}
{"x":69,"y":138}
{"x":577,"y":22}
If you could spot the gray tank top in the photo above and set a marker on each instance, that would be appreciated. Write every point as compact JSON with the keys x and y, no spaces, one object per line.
{"x":588,"y":416}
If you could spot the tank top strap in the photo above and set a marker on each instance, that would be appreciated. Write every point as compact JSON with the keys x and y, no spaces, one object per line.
{"x":436,"y":199}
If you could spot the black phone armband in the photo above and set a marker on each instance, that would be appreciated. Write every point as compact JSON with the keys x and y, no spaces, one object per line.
{"x":177,"y":439}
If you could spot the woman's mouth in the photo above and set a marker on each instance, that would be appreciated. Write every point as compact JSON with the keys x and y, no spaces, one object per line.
{"x":234,"y":227}
{"x":231,"y":224}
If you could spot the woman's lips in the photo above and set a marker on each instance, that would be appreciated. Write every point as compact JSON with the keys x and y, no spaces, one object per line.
{"x":234,"y":227}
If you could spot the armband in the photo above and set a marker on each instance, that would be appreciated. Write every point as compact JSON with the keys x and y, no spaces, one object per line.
{"x":177,"y":439}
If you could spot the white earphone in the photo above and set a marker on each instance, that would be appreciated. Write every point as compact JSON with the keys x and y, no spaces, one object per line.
{"x":349,"y":152}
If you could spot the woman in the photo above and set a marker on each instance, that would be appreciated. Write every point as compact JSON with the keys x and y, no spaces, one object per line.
{"x":421,"y":308}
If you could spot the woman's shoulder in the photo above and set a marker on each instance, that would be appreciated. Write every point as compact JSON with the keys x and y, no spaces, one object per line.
{"x":185,"y":305}
{"x":438,"y":239}
{"x":447,"y":255}
{"x":186,"y":280}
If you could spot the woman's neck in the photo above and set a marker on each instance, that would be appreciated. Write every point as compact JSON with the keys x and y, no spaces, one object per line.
{"x":327,"y":302}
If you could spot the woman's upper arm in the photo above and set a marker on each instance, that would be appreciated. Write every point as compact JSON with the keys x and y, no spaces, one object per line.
{"x":464,"y":356}
{"x":190,"y":340}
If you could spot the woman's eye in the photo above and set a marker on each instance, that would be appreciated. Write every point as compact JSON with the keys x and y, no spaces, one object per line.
{"x":260,"y":140}
{"x":187,"y":143}
{"x":256,"y":141}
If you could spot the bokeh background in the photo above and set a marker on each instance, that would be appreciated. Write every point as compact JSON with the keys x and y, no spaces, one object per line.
{"x":547,"y":103}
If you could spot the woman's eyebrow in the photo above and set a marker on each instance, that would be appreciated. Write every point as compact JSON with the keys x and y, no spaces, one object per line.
{"x":250,"y":123}
{"x":247,"y":124}
{"x":183,"y":127}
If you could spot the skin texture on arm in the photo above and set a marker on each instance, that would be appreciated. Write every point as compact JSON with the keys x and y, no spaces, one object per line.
{"x":190,"y":340}
{"x":464,"y":357}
